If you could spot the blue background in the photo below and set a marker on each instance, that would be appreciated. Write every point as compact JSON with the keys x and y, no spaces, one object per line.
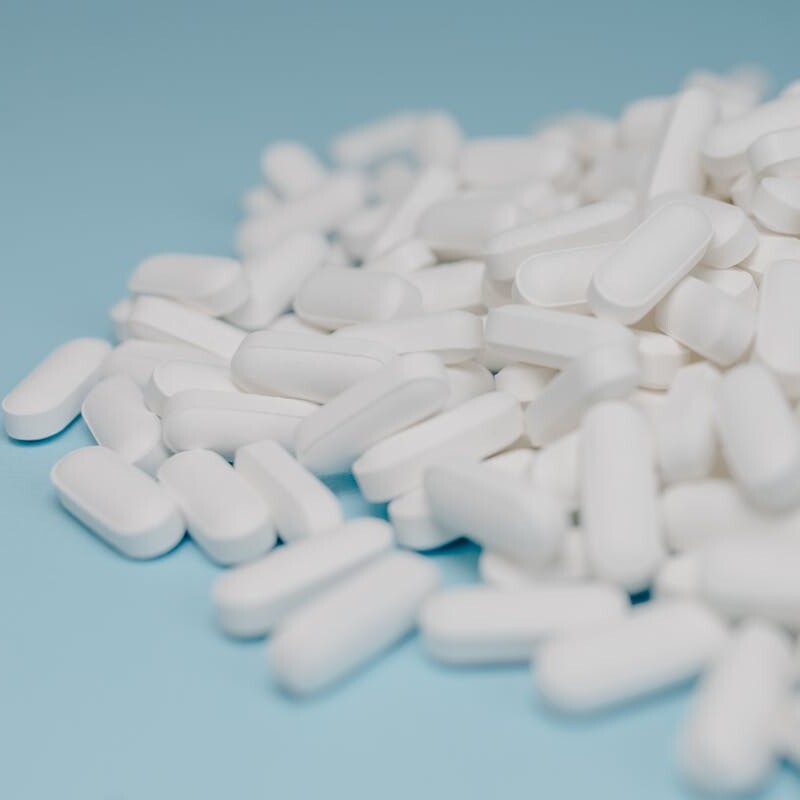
{"x":131,"y":128}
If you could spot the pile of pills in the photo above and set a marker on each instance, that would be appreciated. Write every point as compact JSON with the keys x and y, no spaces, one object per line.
{"x":578,"y":348}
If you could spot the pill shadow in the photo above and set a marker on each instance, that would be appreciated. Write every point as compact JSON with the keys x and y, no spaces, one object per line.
{"x":346,"y":489}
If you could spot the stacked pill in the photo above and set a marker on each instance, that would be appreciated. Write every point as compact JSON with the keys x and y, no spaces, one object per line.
{"x":577,"y":348}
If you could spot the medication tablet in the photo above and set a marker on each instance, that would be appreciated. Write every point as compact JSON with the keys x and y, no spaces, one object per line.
{"x":408,"y":256}
{"x":776,"y":153}
{"x":549,"y":338}
{"x":611,"y":172}
{"x":315,"y":368}
{"x":259,"y":200}
{"x":210,"y":284}
{"x":501,"y":512}
{"x":404,"y":391}
{"x":771,"y":247}
{"x":351,"y":623}
{"x":250,"y":599}
{"x":166,"y":321}
{"x":486,"y":625}
{"x":46,"y":400}
{"x":619,"y":514}
{"x":414,"y":526}
{"x":729,"y":741}
{"x":226,"y":421}
{"x":118,"y":314}
{"x":337,"y":296}
{"x":524,"y":381}
{"x":677,"y":577}
{"x":171,"y":377}
{"x":649,"y":262}
{"x":737,"y":283}
{"x":291,"y":169}
{"x":224,"y":514}
{"x":595,"y":223}
{"x":776,"y":204}
{"x":467,"y":380}
{"x":454,"y":336}
{"x":121,"y":504}
{"x":556,"y":469}
{"x":457,"y":285}
{"x":473,"y":430}
{"x":376,"y":140}
{"x":291,"y":323}
{"x":642,"y":120}
{"x":660,"y":358}
{"x":438,"y":138}
{"x":707,"y":320}
{"x":356,"y":234}
{"x":657,"y":646}
{"x":605,"y":372}
{"x":760,"y":438}
{"x":117,"y":417}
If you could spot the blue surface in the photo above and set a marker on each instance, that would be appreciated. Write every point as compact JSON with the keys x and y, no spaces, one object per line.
{"x":130,"y":128}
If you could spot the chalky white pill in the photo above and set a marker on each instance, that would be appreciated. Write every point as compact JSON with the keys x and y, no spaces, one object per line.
{"x":376,"y":140}
{"x":677,"y":577}
{"x":119,"y":314}
{"x":259,"y":200}
{"x":556,"y":469}
{"x":737,"y":283}
{"x":776,"y":153}
{"x":776,"y":204}
{"x":467,"y":380}
{"x":771,"y":247}
{"x":660,"y":358}
{"x":642,"y":120}
{"x":414,"y":526}
{"x":405,"y":257}
{"x":291,"y":323}
{"x":457,"y":285}
{"x":524,"y":381}
{"x":170,"y":377}
{"x":291,"y":169}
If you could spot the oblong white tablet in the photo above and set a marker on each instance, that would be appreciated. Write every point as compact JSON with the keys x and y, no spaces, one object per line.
{"x":403,"y":258}
{"x":291,"y":323}
{"x":525,"y":381}
{"x":446,"y":287}
{"x":557,"y":470}
{"x":170,"y":377}
{"x":771,"y":247}
{"x":660,"y":357}
{"x":303,"y":366}
{"x":121,"y":504}
{"x":487,"y":625}
{"x":657,"y":646}
{"x":46,"y":400}
{"x":737,"y":283}
{"x":649,"y":262}
{"x":117,"y":417}
{"x":250,"y":599}
{"x":118,"y":314}
{"x":776,"y":204}
{"x":404,"y":391}
{"x":224,"y":513}
{"x":376,"y":140}
{"x":776,"y":153}
{"x":619,"y":513}
{"x":414,"y":526}
{"x":473,"y":430}
{"x":301,"y":505}
{"x":225,"y":421}
{"x":291,"y":168}
{"x":760,"y":438}
{"x":211,"y":284}
{"x":351,"y":623}
{"x":467,"y":380}
{"x":454,"y":336}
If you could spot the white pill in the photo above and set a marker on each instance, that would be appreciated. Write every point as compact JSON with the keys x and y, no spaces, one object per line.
{"x":170,"y":377}
{"x":225,"y":515}
{"x":164,"y":320}
{"x":117,"y":417}
{"x":226,"y":421}
{"x":660,"y":358}
{"x":657,"y":646}
{"x":729,"y":741}
{"x":725,"y":148}
{"x":467,"y":380}
{"x":605,"y":372}
{"x":707,"y":320}
{"x":760,"y":438}
{"x":438,"y":138}
{"x":619,"y":513}
{"x":557,"y":470}
{"x":776,"y":153}
{"x":291,"y":323}
{"x":121,"y":504}
{"x":376,"y":140}
{"x":119,"y":314}
{"x":549,"y":338}
{"x":648,"y":402}
{"x":351,"y":623}
{"x":486,"y":625}
{"x":408,"y":256}
{"x":677,"y":577}
{"x":776,"y":204}
{"x":771,"y":247}
{"x":356,"y":234}
{"x":460,"y":226}
{"x":414,"y":526}
{"x":501,"y":512}
{"x":674,"y":164}
{"x":473,"y":430}
{"x":643,"y":268}
{"x":737,"y":283}
{"x":596,"y":223}
{"x":524,"y":381}
{"x":211,"y":284}
{"x":684,"y":433}
{"x":611,"y":172}
{"x":742,"y":191}
{"x":46,"y":400}
{"x":250,"y":599}
{"x":457,"y":285}
{"x":454,"y":336}
{"x":291,"y":169}
{"x":404,"y":391}
{"x":559,"y":280}
{"x":642,"y":120}
{"x":259,"y":200}
{"x":314,"y":368}
{"x":337,"y":296}
{"x":276,"y":276}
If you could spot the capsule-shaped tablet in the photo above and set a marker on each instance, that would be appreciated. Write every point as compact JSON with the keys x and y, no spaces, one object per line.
{"x":117,"y":417}
{"x":415,"y":527}
{"x":404,"y":391}
{"x":315,"y":368}
{"x":657,"y":646}
{"x":677,"y":577}
{"x":660,"y":358}
{"x":557,"y":469}
{"x":642,"y":120}
{"x":119,"y":314}
{"x":771,"y":247}
{"x":776,"y":204}
{"x":759,"y":436}
{"x":524,"y":381}
{"x":351,"y":623}
{"x":467,"y":380}
{"x":211,"y":284}
{"x":226,"y":421}
{"x":501,"y":512}
{"x":171,"y":377}
{"x":736,"y":283}
{"x":224,"y":513}
{"x":376,"y":140}
{"x":408,"y":256}
{"x":46,"y":400}
{"x":250,"y":599}
{"x":291,"y":169}
{"x":473,"y":430}
{"x":486,"y":625}
{"x":117,"y":501}
{"x":456,"y":285}
{"x":729,"y":741}
{"x":707,"y":320}
{"x":619,"y":514}
{"x":776,"y":153}
{"x":291,"y":323}
{"x":259,"y":200}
